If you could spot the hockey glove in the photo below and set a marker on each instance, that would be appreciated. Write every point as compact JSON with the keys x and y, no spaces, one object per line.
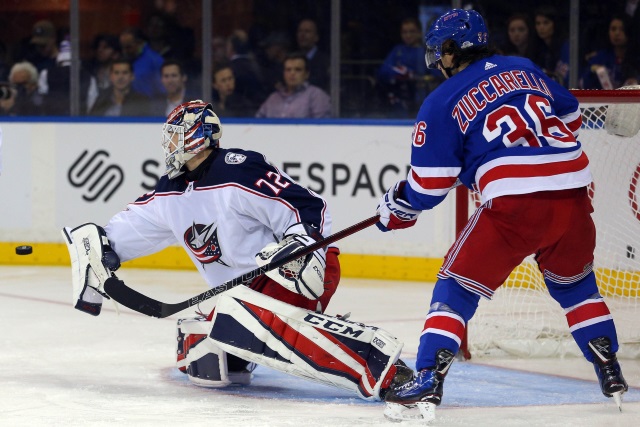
{"x":395,"y":213}
{"x":92,"y":262}
{"x":304,"y":275}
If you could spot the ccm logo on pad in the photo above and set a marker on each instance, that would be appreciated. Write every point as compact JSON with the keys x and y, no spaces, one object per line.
{"x":332,"y":326}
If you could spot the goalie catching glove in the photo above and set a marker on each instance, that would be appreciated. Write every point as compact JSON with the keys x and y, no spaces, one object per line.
{"x":395,"y":213}
{"x":304,"y":275}
{"x":92,"y":262}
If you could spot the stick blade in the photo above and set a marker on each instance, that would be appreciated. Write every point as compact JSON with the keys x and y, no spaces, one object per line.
{"x":132,"y":299}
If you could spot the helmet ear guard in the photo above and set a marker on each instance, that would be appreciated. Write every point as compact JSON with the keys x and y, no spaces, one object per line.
{"x":189,"y":129}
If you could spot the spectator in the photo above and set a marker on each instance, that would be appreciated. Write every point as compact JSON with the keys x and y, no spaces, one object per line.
{"x":4,"y":62}
{"x":298,"y":98}
{"x":121,"y":99}
{"x":245,"y":69}
{"x":307,"y":38}
{"x":158,"y":34}
{"x":616,"y":65}
{"x":519,"y":36}
{"x":106,"y":48}
{"x":631,"y":9}
{"x":275,"y":47}
{"x":42,"y":49}
{"x":45,"y":45}
{"x":551,"y":49}
{"x":218,"y":51}
{"x":174,"y":80}
{"x":180,"y":39}
{"x":402,"y":74}
{"x":226,"y":101}
{"x":55,"y":85}
{"x":25,"y":99}
{"x":146,"y":62}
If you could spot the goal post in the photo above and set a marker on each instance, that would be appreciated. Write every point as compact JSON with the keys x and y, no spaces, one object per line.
{"x":522,"y":319}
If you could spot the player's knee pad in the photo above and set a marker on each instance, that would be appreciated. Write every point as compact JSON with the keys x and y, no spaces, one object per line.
{"x":569,"y":291}
{"x":206,"y":364}
{"x":457,"y":298}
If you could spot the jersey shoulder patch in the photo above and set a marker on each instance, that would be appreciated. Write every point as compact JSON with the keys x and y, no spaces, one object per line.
{"x":232,"y":158}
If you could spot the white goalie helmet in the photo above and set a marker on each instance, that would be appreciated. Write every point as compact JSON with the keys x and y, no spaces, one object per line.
{"x":190,"y":128}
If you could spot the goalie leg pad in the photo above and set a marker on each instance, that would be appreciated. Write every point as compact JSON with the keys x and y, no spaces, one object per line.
{"x":304,"y":343}
{"x":92,"y":261}
{"x":206,"y":364}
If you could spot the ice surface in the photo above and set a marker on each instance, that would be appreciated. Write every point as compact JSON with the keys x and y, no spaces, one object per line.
{"x":61,"y":367}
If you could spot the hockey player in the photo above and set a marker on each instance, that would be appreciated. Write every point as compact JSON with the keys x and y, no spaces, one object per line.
{"x":500,"y":127}
{"x":224,"y":206}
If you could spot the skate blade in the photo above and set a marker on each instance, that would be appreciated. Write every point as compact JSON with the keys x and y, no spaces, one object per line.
{"x":425,"y":413}
{"x":617,"y":397}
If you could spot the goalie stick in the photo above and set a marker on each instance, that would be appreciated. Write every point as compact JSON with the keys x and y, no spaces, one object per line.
{"x":136,"y":301}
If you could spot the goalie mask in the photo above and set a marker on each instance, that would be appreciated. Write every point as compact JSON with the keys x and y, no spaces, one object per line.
{"x":464,"y":27}
{"x":190,"y":128}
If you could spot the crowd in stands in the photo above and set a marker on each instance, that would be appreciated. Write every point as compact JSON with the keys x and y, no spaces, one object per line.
{"x":147,"y":71}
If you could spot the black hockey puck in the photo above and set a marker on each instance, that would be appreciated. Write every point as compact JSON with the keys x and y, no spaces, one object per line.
{"x":24,"y":250}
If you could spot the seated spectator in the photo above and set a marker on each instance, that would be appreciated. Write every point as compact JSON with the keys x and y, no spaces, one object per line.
{"x":226,"y":102}
{"x":519,"y":36}
{"x":55,"y":85}
{"x":631,"y":9}
{"x":120,"y":99}
{"x":275,"y":48}
{"x":551,"y":48}
{"x":618,"y":64}
{"x":307,"y":37}
{"x":25,"y":99}
{"x":401,"y":77}
{"x":44,"y":42}
{"x":180,"y":39}
{"x":297,"y":98}
{"x":146,"y":62}
{"x":218,"y":51}
{"x":159,"y":34}
{"x":245,"y":68}
{"x":106,"y":48}
{"x":174,"y":80}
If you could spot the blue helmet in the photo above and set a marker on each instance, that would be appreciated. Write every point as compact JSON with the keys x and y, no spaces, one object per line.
{"x":465,"y":27}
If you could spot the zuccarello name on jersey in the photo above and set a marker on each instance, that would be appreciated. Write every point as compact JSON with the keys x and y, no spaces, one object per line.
{"x":492,"y":88}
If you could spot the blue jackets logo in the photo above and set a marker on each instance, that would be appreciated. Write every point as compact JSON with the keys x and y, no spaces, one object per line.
{"x":202,"y":240}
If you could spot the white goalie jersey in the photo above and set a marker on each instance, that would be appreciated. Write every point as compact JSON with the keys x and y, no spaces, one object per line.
{"x":223,"y":219}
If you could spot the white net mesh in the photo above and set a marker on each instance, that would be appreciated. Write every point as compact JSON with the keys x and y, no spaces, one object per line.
{"x":522,"y":319}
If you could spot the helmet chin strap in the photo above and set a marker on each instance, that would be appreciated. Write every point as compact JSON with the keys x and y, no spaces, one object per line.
{"x":448,"y":70}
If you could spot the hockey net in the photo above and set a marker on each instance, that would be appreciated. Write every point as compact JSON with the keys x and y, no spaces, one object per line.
{"x":522,"y":319}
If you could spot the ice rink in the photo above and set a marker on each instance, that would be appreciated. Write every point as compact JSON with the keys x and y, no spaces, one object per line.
{"x":61,"y":367}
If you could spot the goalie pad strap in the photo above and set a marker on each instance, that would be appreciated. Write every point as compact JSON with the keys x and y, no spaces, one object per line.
{"x":307,"y":344}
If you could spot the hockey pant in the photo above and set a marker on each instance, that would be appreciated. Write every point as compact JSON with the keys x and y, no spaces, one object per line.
{"x":266,"y":286}
{"x":557,"y":227}
{"x":307,"y":344}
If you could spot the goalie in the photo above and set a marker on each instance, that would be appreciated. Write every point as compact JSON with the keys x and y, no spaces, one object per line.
{"x":231,"y":209}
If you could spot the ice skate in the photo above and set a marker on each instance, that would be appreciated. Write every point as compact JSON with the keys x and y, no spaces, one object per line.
{"x":240,"y":370}
{"x":607,"y":368}
{"x":403,"y":375}
{"x":423,"y":393}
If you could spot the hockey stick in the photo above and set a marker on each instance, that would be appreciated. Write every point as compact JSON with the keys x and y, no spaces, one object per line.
{"x":136,"y":301}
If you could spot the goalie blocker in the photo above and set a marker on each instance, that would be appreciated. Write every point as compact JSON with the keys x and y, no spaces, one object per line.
{"x":307,"y":344}
{"x":92,"y":262}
